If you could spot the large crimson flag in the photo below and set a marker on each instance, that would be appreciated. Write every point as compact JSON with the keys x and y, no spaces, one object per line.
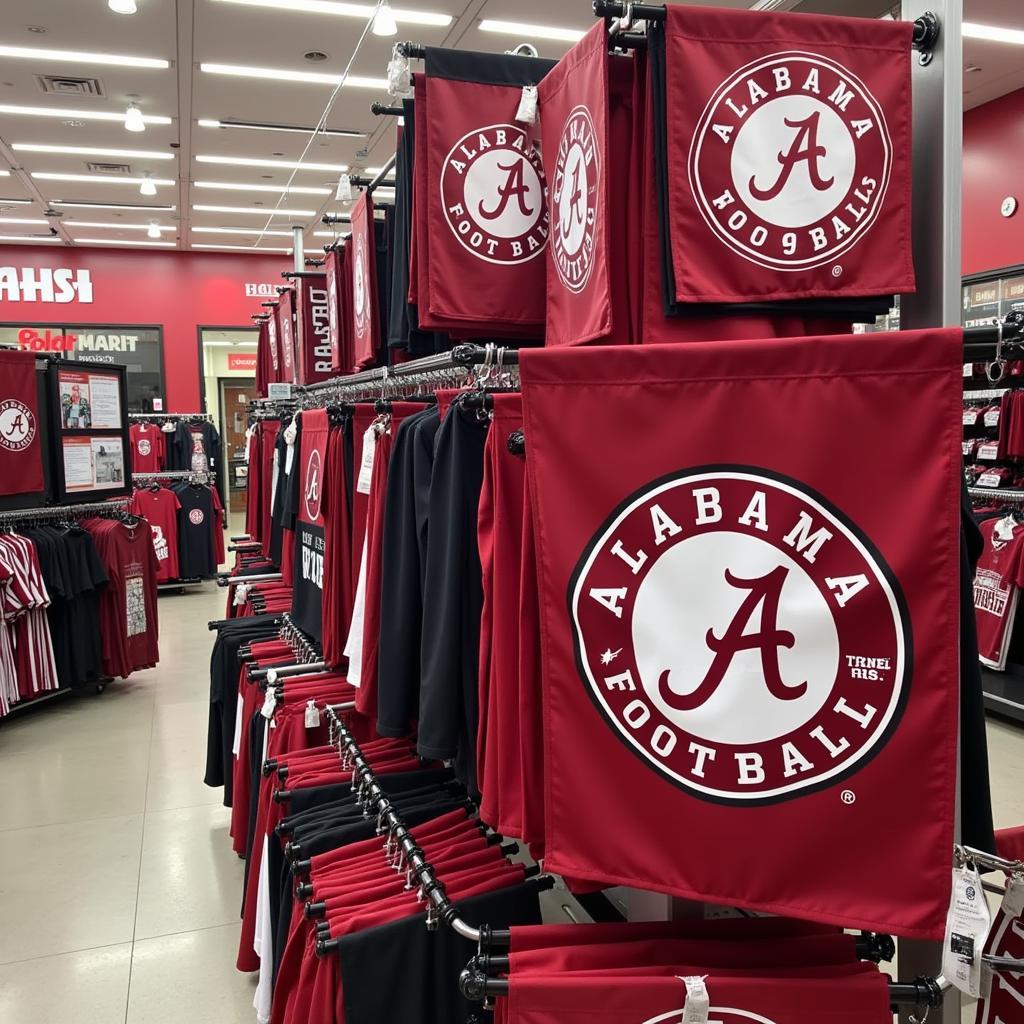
{"x":786,"y":146}
{"x":286,"y":335}
{"x":364,"y":314}
{"x":21,"y":448}
{"x":312,"y":321}
{"x":750,"y":649}
{"x":1005,"y":1001}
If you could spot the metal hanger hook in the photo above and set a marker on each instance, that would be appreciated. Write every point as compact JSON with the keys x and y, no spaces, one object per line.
{"x":996,"y":370}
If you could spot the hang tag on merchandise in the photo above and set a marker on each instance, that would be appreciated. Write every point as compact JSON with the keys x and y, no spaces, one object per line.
{"x":967,"y":925}
{"x":1013,"y":898}
{"x":291,"y":432}
{"x":698,"y":1002}
{"x":312,"y":715}
{"x":366,"y":464}
{"x":269,"y":703}
{"x":527,"y":112}
{"x":399,"y":75}
{"x":241,"y":593}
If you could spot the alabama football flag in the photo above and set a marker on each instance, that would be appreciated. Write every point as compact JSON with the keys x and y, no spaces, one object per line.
{"x":337,"y":312}
{"x":484,"y":189}
{"x":312,"y":324}
{"x":273,"y":344}
{"x":263,"y":369}
{"x":307,"y":596}
{"x":750,"y":655}
{"x":21,"y":449}
{"x":786,"y":146}
{"x":363,"y":264}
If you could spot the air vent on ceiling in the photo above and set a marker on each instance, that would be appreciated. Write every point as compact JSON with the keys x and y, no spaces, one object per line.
{"x":106,"y":168}
{"x":70,"y":85}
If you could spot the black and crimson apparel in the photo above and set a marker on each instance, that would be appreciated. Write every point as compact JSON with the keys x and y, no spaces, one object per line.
{"x":313,"y":328}
{"x":159,"y":506}
{"x":200,"y":530}
{"x":311,"y":458}
{"x":148,"y":448}
{"x":998,"y":578}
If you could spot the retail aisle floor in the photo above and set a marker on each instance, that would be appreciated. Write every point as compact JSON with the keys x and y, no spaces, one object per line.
{"x":119,"y":893}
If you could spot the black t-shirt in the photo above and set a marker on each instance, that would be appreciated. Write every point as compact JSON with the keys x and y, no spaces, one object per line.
{"x":197,"y":520}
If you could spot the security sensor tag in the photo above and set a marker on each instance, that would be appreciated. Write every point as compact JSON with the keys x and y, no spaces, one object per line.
{"x":527,"y":112}
{"x":312,"y":714}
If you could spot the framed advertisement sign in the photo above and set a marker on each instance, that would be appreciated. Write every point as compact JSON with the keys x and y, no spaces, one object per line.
{"x":89,"y":409}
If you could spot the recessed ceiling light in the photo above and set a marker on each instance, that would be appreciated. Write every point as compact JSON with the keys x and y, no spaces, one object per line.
{"x":993,"y":33}
{"x":140,"y":154}
{"x":315,"y":56}
{"x":347,"y":10}
{"x":124,"y":241}
{"x":241,"y":248}
{"x":31,"y":239}
{"x":521,"y":28}
{"x":287,"y":165}
{"x":24,"y":220}
{"x":106,"y":206}
{"x":240,"y":231}
{"x":298,"y":129}
{"x":120,"y":60}
{"x":262,"y":211}
{"x":302,"y":190}
{"x":122,"y":6}
{"x":326,"y":234}
{"x":285,"y":75}
{"x":116,"y":227}
{"x":103,"y":179}
{"x":81,"y":115}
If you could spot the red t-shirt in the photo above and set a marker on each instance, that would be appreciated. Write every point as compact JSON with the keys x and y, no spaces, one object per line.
{"x":160,"y":508}
{"x":147,"y":448}
{"x":999,"y":575}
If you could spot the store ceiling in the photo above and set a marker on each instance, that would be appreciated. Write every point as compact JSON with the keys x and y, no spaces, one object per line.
{"x":190,"y":33}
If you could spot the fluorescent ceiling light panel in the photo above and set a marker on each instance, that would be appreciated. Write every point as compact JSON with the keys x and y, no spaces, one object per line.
{"x":118,"y":60}
{"x":141,"y":154}
{"x":240,"y":231}
{"x":15,"y":202}
{"x":528,"y":31}
{"x":302,"y":190}
{"x":993,"y":33}
{"x":111,"y":206}
{"x":287,"y":165}
{"x":100,"y":178}
{"x":346,"y":10}
{"x":285,"y":75}
{"x":326,"y":234}
{"x":78,"y":115}
{"x":24,"y":220}
{"x":113,"y":227}
{"x":256,"y":126}
{"x":262,"y":211}
{"x":123,"y":241}
{"x":30,"y":238}
{"x":5,"y":174}
{"x":240,"y":248}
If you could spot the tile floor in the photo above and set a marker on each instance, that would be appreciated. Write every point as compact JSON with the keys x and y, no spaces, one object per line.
{"x":119,"y":892}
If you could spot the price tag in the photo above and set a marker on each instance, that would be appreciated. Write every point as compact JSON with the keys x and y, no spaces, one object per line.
{"x":967,"y":925}
{"x":527,"y":112}
{"x":970,"y":417}
{"x":269,"y":703}
{"x":1013,"y":898}
{"x":312,"y":715}
{"x":988,"y":480}
{"x":366,"y":465}
{"x":992,"y":418}
{"x":988,"y":450}
{"x":968,"y":369}
{"x":967,"y":447}
{"x":698,"y":1002}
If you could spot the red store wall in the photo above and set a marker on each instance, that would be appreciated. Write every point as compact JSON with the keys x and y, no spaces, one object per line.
{"x":993,"y":157}
{"x":179,"y":290}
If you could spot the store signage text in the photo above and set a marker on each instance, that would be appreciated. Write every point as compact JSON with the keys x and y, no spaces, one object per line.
{"x":30,"y":340}
{"x":237,"y":361}
{"x":45,"y":284}
{"x":261,"y":290}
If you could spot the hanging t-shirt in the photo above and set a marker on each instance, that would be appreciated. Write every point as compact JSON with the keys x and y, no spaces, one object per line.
{"x":148,"y":451}
{"x":197,"y":521}
{"x":160,"y":507}
{"x":997,"y":580}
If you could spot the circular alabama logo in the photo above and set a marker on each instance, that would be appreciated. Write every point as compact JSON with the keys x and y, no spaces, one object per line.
{"x":721,"y":1015}
{"x":196,"y":517}
{"x":144,"y":446}
{"x":359,"y":284}
{"x":741,"y":635}
{"x":311,"y":488}
{"x":574,"y":200}
{"x":492,"y":188}
{"x":17,"y":425}
{"x":790,"y":161}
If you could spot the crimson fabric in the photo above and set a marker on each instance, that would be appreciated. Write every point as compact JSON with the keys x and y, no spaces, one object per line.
{"x":335,"y":310}
{"x":308,"y":592}
{"x":363,"y":416}
{"x":997,"y":582}
{"x":348,"y":357}
{"x":263,"y":373}
{"x":1010,"y":843}
{"x":160,"y":509}
{"x":286,"y":339}
{"x":788,"y":155}
{"x":482,"y":182}
{"x":268,"y":440}
{"x":275,"y":368}
{"x":666,"y":713}
{"x":21,"y":449}
{"x":585,"y":108}
{"x":337,"y":599}
{"x":365,"y":314}
{"x":856,"y":995}
{"x":253,"y":483}
{"x":148,"y":449}
{"x":312,"y":318}
{"x":1005,"y":1004}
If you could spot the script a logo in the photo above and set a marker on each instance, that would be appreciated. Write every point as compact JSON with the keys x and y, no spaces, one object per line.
{"x":17,"y":425}
{"x":717,"y":1015}
{"x":574,"y":200}
{"x":741,"y":635}
{"x":311,"y":490}
{"x":492,"y":188}
{"x":43,"y":284}
{"x":790,"y":161}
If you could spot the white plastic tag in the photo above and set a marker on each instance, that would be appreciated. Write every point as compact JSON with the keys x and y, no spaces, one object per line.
{"x":312,"y":715}
{"x":1005,"y":528}
{"x":399,"y":76}
{"x":967,"y":925}
{"x":527,"y":112}
{"x":366,"y":465}
{"x":698,"y":1002}
{"x":343,"y":193}
{"x":992,"y":418}
{"x":988,"y":450}
{"x":970,"y":417}
{"x":241,"y":593}
{"x":1013,"y":898}
{"x":967,"y":447}
{"x":271,"y":676}
{"x":968,"y":369}
{"x":986,"y":982}
{"x":269,"y":703}
{"x":988,"y":480}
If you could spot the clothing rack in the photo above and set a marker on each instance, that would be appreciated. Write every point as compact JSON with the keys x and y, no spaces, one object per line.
{"x":383,"y":110}
{"x":191,"y":475}
{"x":999,"y":493}
{"x":985,"y":393}
{"x":170,"y":416}
{"x":305,"y":648}
{"x":115,"y":506}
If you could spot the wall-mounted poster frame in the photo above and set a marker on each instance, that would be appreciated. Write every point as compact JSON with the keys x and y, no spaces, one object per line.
{"x":88,"y":405}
